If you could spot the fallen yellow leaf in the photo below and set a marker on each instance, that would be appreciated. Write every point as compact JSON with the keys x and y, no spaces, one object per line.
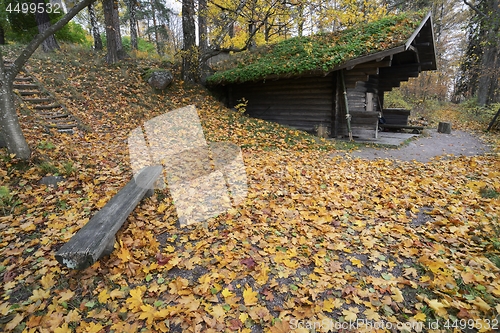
{"x":250,"y":296}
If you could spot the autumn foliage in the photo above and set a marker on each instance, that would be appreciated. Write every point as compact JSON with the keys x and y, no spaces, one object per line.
{"x":319,"y":236}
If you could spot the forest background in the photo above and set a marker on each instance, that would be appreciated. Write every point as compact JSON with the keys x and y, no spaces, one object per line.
{"x":196,"y":33}
{"x":318,"y":236}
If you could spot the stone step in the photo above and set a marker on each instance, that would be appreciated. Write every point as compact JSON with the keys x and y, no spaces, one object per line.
{"x":29,"y":92}
{"x":50,"y":111}
{"x":47,"y":107}
{"x":23,"y":79}
{"x":66,"y":130}
{"x":57,"y":116}
{"x":38,"y":100}
{"x":63,"y":122}
{"x":68,"y":126}
{"x":24,"y":86}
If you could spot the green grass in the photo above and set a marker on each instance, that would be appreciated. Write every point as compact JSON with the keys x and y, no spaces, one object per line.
{"x":48,"y":168}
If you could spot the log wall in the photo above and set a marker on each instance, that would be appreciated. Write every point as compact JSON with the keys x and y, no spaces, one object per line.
{"x":302,"y":103}
{"x":307,"y":102}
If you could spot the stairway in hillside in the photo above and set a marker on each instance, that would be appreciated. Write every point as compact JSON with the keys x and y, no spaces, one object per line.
{"x":39,"y":100}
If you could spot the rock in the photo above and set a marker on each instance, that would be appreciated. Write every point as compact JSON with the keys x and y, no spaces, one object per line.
{"x":160,"y":80}
{"x":52,"y":180}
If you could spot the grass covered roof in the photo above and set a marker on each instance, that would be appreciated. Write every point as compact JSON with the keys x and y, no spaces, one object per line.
{"x":318,"y":53}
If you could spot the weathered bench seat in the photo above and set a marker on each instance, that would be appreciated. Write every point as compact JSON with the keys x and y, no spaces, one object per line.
{"x":96,"y":238}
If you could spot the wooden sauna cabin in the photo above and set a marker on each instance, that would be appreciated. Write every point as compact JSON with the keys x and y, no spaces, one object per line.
{"x":334,"y":80}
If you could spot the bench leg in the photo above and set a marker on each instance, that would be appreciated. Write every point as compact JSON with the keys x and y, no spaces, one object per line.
{"x":109,"y":247}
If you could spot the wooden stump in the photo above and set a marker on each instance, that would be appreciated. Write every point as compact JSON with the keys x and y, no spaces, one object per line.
{"x":444,"y":128}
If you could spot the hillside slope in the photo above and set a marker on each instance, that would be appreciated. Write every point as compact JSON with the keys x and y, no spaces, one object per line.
{"x":318,"y":241}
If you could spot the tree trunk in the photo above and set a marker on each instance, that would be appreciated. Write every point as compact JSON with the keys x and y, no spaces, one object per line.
{"x":202,"y":25}
{"x":487,"y":83}
{"x":203,"y":40}
{"x":155,"y":26}
{"x":111,"y":41}
{"x":94,"y":28}
{"x":43,"y":22}
{"x":488,"y":76}
{"x":133,"y":24}
{"x":2,"y":35}
{"x":488,"y":79}
{"x":189,"y":50}
{"x":301,"y":19}
{"x":116,"y":27}
{"x":10,"y":129}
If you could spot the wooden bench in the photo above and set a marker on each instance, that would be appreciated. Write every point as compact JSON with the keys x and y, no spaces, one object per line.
{"x":396,"y":116}
{"x":415,"y":129}
{"x":398,"y":119}
{"x":96,"y":239}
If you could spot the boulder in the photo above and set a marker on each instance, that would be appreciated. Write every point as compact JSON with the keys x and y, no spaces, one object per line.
{"x":160,"y":80}
{"x":52,"y":180}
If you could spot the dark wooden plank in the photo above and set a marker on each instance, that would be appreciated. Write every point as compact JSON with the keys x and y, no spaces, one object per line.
{"x":47,"y":107}
{"x":391,"y":126}
{"x":96,"y":238}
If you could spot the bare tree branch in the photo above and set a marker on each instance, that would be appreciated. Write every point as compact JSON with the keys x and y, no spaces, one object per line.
{"x":474,"y":8}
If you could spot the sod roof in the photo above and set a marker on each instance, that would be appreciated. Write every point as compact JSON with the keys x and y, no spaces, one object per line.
{"x":320,"y":53}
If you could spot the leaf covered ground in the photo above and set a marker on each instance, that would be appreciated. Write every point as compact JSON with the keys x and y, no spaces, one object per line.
{"x":319,"y":243}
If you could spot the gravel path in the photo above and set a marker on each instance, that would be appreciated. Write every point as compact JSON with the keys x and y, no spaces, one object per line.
{"x":423,"y":149}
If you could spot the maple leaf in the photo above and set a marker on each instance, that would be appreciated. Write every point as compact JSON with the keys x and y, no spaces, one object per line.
{"x":350,"y":314}
{"x":226,"y":293}
{"x":259,"y":313}
{"x":235,"y":324}
{"x":103,"y":296}
{"x":250,"y":296}
{"x":463,"y":314}
{"x":147,"y":312}
{"x":280,"y":326}
{"x":249,"y":262}
{"x":330,"y":304}
{"x":92,"y":327}
{"x":218,"y":312}
{"x":163,"y":260}
{"x":116,"y":293}
{"x":420,"y":316}
{"x":66,"y":296}
{"x":263,"y":275}
{"x":437,"y":306}
{"x":349,"y":290}
{"x":290,"y":263}
{"x":39,"y":294}
{"x":356,"y":262}
{"x":268,"y":293}
{"x":397,"y":295}
{"x":134,"y":302}
{"x":468,"y":277}
{"x":72,"y":315}
{"x":372,"y":315}
{"x":124,"y":254}
{"x":47,"y":281}
{"x":64,"y":328}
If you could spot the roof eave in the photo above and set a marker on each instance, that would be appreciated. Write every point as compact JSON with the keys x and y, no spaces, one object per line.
{"x":427,"y":18}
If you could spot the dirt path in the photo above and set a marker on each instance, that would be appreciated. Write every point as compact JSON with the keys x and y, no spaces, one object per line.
{"x":423,"y":149}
